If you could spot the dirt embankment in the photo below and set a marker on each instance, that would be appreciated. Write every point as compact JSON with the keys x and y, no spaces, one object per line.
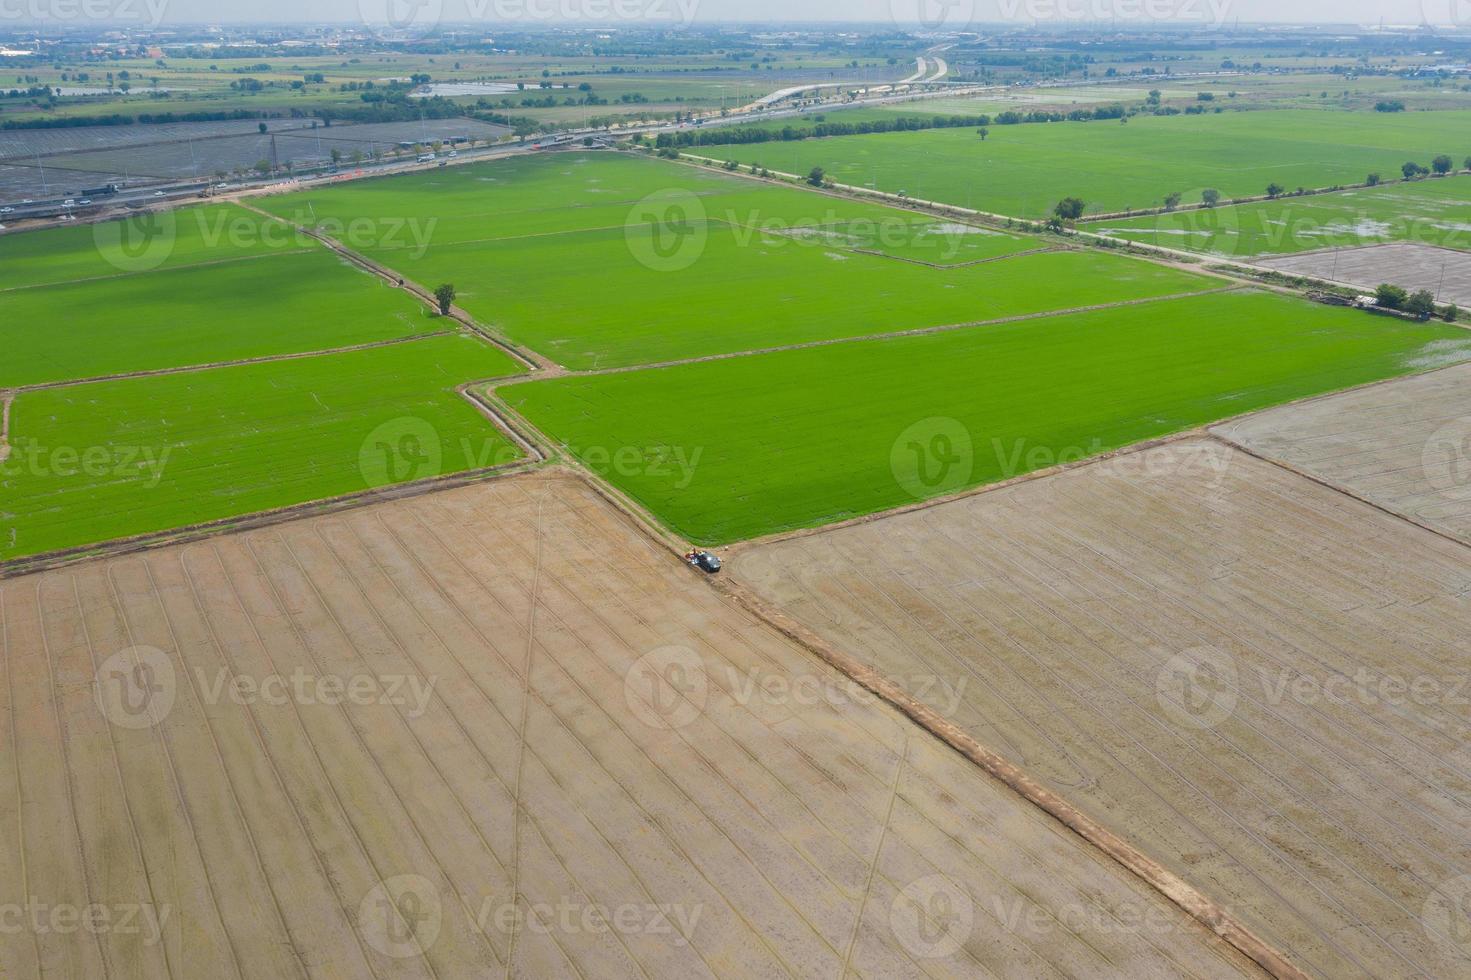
{"x":5,"y":401}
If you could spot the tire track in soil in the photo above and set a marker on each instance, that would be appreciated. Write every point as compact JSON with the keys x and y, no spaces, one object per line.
{"x":250,"y":723}
{"x":514,"y":541}
{"x":130,"y":630}
{"x":883,"y":876}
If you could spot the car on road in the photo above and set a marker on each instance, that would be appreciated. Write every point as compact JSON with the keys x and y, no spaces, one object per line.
{"x":705,"y":561}
{"x":7,"y":210}
{"x":85,"y":200}
{"x":158,"y":193}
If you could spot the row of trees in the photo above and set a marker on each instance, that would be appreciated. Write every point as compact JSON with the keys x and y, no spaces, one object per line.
{"x":1440,"y":166}
{"x":1420,"y":303}
{"x":735,"y":135}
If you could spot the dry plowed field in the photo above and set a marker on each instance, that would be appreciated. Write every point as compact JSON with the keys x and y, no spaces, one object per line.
{"x":496,"y":731}
{"x":1258,"y":680}
{"x":1404,"y":445}
{"x":1413,"y":265}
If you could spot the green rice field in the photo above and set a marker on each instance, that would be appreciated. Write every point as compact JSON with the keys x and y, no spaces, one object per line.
{"x":1433,"y":211}
{"x":113,"y":459}
{"x":601,"y":260}
{"x":141,"y":243}
{"x":738,"y":448}
{"x":1023,"y":170}
{"x":176,"y":317}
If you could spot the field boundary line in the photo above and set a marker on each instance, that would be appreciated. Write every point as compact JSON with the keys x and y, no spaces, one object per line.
{"x":517,"y":238}
{"x":1203,"y":431}
{"x":1329,"y":250}
{"x":153,"y":540}
{"x":170,"y":268}
{"x":1210,"y":427}
{"x":263,"y":359}
{"x":529,"y":444}
{"x":1160,"y":255}
{"x":890,"y":335}
{"x":1336,"y":488}
{"x":1184,"y":435}
{"x":6,"y":400}
{"x":536,"y":458}
{"x":526,"y":357}
{"x":1174,"y":889}
{"x":963,"y":265}
{"x":1156,"y":876}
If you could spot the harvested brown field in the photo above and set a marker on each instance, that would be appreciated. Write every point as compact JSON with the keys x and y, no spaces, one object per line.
{"x":497,"y":731}
{"x":1445,"y":272}
{"x":1404,"y":445}
{"x":1259,"y":681}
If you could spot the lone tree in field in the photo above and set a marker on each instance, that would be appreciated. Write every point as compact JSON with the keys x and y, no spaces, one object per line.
{"x":1389,"y":296}
{"x":445,"y":297}
{"x":1372,"y":180}
{"x":1069,"y":209}
{"x":1274,"y":189}
{"x":1466,"y":164}
{"x":1411,"y":170}
{"x":1421,"y":303}
{"x":1172,"y":200}
{"x":1210,"y":196}
{"x":985,"y":131}
{"x":814,"y":177}
{"x":1442,"y":164}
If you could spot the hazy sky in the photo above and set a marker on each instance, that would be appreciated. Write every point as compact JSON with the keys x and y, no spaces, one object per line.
{"x":952,"y":14}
